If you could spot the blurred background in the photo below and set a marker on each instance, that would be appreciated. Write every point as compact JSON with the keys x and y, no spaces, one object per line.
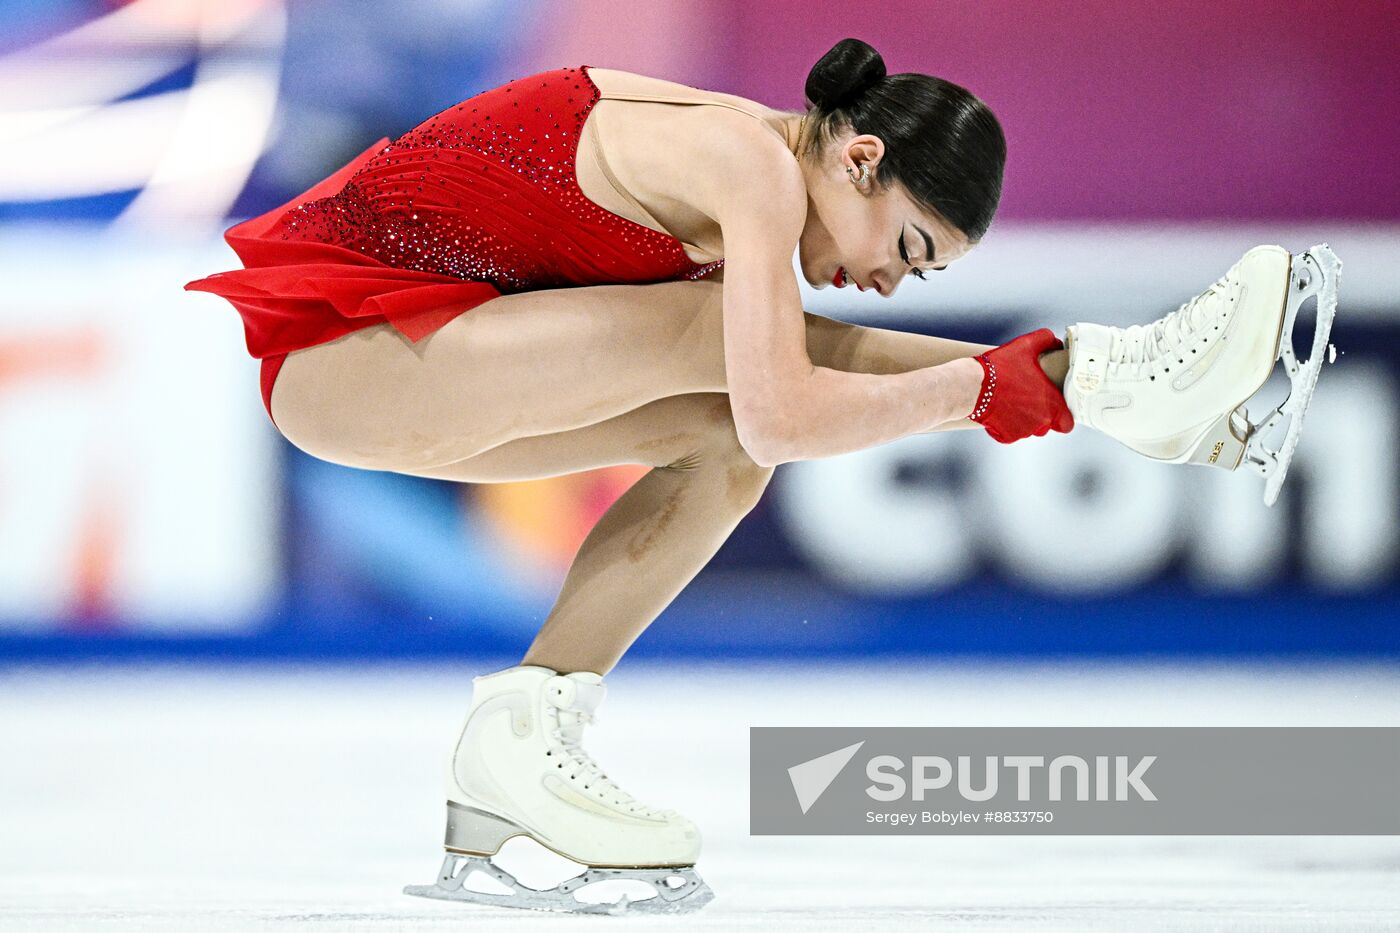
{"x":229,"y":671}
{"x":149,"y":508}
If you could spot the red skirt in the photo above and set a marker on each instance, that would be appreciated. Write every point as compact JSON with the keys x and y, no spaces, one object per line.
{"x":294,"y":294}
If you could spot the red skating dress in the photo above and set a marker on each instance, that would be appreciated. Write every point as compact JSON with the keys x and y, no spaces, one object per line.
{"x":476,"y":201}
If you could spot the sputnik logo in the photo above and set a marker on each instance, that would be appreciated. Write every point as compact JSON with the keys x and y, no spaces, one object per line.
{"x":810,"y":779}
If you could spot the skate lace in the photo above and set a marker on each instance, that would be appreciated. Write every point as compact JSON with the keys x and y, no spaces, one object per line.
{"x":579,"y":765}
{"x":1148,"y":343}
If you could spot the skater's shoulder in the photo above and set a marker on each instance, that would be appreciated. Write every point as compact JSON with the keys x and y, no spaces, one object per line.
{"x":756,"y":180}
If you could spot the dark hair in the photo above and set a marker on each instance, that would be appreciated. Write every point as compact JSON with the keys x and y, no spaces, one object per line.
{"x":941,"y":143}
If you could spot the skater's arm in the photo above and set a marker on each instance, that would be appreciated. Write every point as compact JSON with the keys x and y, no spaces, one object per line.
{"x":839,"y":412}
{"x":785,"y":408}
{"x":962,"y":424}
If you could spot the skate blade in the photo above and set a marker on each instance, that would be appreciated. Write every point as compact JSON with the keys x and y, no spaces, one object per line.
{"x":678,"y":890}
{"x":1318,"y":272}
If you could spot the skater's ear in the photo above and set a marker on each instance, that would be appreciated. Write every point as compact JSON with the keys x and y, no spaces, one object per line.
{"x":860,"y":159}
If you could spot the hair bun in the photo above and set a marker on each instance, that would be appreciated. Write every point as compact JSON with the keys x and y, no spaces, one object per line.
{"x":843,"y":74}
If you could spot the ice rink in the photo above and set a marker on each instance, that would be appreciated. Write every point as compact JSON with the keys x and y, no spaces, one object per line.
{"x":211,"y":798}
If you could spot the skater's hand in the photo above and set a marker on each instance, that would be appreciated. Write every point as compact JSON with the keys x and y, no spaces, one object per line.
{"x":1017,"y":399}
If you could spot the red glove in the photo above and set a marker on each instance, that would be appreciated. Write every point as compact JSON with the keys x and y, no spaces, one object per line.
{"x":1017,"y":398}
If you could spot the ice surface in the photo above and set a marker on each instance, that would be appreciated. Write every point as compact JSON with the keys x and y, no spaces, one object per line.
{"x":254,"y":798}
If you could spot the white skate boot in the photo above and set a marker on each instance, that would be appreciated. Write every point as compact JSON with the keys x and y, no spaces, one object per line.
{"x":518,"y":769}
{"x":1174,"y":390}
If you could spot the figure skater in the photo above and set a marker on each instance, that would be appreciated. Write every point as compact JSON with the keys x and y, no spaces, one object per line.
{"x":588,"y":267}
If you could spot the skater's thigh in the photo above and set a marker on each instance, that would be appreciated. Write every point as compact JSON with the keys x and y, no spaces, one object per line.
{"x":541,"y":362}
{"x":522,"y":364}
{"x":695,"y":430}
{"x":682,"y":432}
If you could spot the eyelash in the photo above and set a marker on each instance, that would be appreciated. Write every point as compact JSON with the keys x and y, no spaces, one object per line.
{"x":919,"y":273}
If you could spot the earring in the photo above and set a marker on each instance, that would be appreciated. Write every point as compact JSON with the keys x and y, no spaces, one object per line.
{"x":864,"y":173}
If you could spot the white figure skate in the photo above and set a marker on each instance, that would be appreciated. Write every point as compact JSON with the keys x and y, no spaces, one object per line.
{"x":1174,"y":390}
{"x":518,"y":769}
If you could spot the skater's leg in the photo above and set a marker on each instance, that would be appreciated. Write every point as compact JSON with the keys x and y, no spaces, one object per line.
{"x":520,"y":400}
{"x":668,"y":525}
{"x":855,"y":348}
{"x":540,"y":363}
{"x":1056,"y":366}
{"x":654,"y":539}
{"x":644,"y":549}
{"x":522,"y":364}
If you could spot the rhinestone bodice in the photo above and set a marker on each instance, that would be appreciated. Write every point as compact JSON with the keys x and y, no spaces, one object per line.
{"x":487,"y":190}
{"x":479,"y":200}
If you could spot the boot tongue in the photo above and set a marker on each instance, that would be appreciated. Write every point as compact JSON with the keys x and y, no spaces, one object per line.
{"x":588,"y":695}
{"x":588,"y":691}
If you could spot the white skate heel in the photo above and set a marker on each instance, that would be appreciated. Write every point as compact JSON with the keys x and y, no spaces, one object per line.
{"x":1174,"y":390}
{"x":518,"y":768}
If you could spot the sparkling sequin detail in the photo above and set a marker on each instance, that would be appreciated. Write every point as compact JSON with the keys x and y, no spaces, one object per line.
{"x":989,"y":385}
{"x":486,"y":190}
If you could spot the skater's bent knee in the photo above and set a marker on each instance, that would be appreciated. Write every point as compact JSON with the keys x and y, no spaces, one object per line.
{"x":743,"y":479}
{"x":720,"y":450}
